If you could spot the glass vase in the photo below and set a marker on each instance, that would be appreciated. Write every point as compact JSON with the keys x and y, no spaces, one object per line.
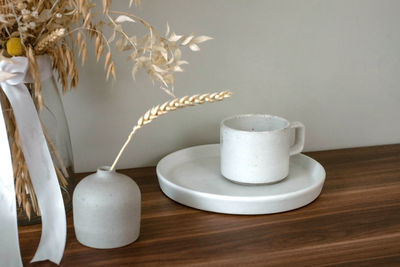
{"x":55,"y":129}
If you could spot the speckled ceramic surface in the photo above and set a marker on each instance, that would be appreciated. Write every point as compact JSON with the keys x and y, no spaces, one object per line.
{"x":255,"y":148}
{"x":107,"y":210}
{"x":192,"y":177}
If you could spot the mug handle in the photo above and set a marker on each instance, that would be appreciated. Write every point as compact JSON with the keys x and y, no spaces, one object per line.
{"x":300,"y":135}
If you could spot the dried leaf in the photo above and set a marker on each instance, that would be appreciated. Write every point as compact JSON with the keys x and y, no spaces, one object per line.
{"x":112,"y":38}
{"x":100,"y":51}
{"x":113,"y":71}
{"x":162,"y":50}
{"x":187,"y":40}
{"x":108,"y":60}
{"x":97,"y":43}
{"x":158,"y":69}
{"x":201,"y":39}
{"x":142,"y":59}
{"x":106,"y":5}
{"x":137,"y":2}
{"x":84,"y":55}
{"x":170,"y":79}
{"x":174,"y":37}
{"x":109,"y":71}
{"x":79,"y":37}
{"x":121,"y":44}
{"x":134,"y":71}
{"x":194,"y":47}
{"x":123,"y":18}
{"x":87,"y":20}
{"x":178,"y":69}
{"x":44,"y":16}
{"x":167,"y":31}
{"x":164,"y":53}
{"x":177,"y":54}
{"x":82,"y":47}
{"x":159,"y":77}
{"x":182,"y":62}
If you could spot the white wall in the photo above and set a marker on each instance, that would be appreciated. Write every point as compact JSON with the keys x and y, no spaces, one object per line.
{"x":334,"y":65}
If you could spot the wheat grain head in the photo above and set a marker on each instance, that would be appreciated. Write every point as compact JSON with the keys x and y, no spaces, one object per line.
{"x":169,"y":106}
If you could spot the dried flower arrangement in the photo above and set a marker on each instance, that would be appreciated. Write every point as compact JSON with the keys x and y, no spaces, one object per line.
{"x":57,"y":27}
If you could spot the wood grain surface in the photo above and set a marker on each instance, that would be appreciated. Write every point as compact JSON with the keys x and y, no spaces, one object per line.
{"x":354,"y":222}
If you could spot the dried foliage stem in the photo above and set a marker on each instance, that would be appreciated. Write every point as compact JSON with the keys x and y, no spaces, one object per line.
{"x":122,"y":33}
{"x":91,"y":30}
{"x":51,"y":20}
{"x":128,"y":140}
{"x":169,"y":106}
{"x":11,"y":5}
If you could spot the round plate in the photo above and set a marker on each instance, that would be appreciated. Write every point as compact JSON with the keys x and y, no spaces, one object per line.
{"x":192,"y":177}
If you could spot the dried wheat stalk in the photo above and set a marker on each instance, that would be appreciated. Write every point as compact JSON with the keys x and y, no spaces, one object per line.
{"x":49,"y":40}
{"x":23,"y":186}
{"x":169,"y":106}
{"x":25,"y":193}
{"x":23,"y":183}
{"x":35,"y":72}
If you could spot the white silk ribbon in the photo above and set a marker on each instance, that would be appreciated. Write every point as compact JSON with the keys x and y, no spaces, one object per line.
{"x":40,"y":166}
{"x":9,"y":246}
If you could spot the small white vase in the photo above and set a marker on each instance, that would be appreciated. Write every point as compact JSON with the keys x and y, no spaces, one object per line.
{"x":106,"y":210}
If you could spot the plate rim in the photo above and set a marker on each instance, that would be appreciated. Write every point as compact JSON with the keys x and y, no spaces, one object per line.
{"x":237,"y":198}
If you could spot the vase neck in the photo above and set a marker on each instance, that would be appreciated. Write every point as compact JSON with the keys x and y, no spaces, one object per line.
{"x":104,"y":171}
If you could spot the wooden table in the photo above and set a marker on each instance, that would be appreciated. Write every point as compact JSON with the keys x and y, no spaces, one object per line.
{"x":354,"y":222}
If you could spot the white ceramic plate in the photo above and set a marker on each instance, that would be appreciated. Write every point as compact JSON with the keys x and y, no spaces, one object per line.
{"x":192,"y":177}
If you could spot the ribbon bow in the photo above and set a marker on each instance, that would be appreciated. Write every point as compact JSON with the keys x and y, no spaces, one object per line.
{"x":13,"y":71}
{"x":13,"y":74}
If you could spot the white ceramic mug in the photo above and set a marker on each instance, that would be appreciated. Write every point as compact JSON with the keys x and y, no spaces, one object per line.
{"x":255,"y":149}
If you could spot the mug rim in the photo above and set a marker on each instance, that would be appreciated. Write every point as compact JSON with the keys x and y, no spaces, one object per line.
{"x":237,"y":116}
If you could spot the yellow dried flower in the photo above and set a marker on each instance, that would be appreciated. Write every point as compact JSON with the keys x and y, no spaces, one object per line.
{"x":14,"y":46}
